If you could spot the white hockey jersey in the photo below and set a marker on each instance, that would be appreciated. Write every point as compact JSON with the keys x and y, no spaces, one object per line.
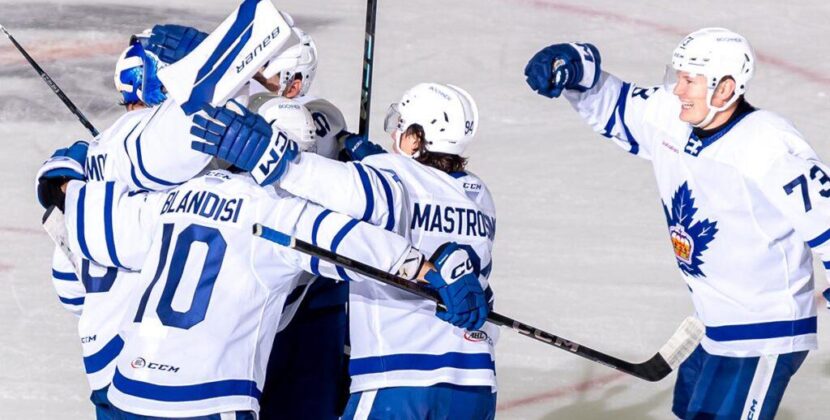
{"x":396,"y":340}
{"x":743,"y":207}
{"x":212,"y":293}
{"x":137,"y":149}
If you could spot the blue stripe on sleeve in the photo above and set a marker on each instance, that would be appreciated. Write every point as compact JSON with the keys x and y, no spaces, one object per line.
{"x":378,"y":364}
{"x":763,"y":330}
{"x":367,"y":191}
{"x":144,"y":170}
{"x":635,"y":146}
{"x":59,"y":275}
{"x":315,"y":262}
{"x":819,"y":240}
{"x":336,"y":242}
{"x":390,"y":220}
{"x":108,"y":353}
{"x":620,"y":106}
{"x":74,"y":301}
{"x":108,"y":231}
{"x":130,"y":159}
{"x":197,"y":392}
{"x":79,"y":225}
{"x":826,"y":265}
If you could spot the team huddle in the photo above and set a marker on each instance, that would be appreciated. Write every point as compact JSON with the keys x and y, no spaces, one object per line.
{"x":184,"y":313}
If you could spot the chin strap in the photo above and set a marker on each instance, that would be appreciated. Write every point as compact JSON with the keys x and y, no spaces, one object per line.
{"x":713,"y":110}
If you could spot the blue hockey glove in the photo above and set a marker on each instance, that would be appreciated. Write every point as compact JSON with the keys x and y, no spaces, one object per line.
{"x":63,"y":165}
{"x":238,"y":136}
{"x":563,"y":66}
{"x":357,"y":147}
{"x":456,"y":279}
{"x":172,"y":42}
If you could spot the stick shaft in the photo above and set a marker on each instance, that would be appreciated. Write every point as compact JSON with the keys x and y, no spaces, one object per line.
{"x":52,"y":85}
{"x":368,"y":59}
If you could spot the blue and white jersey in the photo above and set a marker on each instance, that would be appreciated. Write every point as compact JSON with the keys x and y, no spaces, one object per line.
{"x":99,"y":297}
{"x":396,"y":340}
{"x":203,"y":324}
{"x":744,"y":207}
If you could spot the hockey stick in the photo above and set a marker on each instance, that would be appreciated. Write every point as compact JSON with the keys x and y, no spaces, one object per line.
{"x":52,"y":85}
{"x":53,"y":223}
{"x":368,"y":58}
{"x":674,"y":352}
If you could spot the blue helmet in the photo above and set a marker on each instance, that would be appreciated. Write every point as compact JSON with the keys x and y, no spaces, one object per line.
{"x":136,"y":76}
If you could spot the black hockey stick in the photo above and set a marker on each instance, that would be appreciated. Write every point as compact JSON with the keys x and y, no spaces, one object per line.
{"x":52,"y":85}
{"x":674,"y":352}
{"x":368,"y":58}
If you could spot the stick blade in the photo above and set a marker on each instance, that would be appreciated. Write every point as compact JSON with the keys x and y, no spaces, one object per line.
{"x":683,"y":342}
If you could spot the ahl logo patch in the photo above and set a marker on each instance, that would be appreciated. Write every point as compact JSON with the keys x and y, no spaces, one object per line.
{"x":689,"y":238}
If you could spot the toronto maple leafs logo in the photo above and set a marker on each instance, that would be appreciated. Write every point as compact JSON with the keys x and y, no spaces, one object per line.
{"x":689,"y":237}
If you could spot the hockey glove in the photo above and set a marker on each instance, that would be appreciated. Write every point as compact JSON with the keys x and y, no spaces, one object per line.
{"x":456,"y":279}
{"x":63,"y":165}
{"x":172,"y":42}
{"x":563,"y":66}
{"x":356,"y":147}
{"x":240,"y":137}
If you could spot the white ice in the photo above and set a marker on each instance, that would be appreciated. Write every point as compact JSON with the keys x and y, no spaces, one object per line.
{"x":581,"y":248}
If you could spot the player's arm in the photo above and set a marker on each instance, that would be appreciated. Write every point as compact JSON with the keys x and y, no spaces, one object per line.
{"x":800,"y":189}
{"x":451,"y":271}
{"x":246,"y":140}
{"x":68,"y":286}
{"x":612,"y":107}
{"x":108,"y":224}
{"x":156,"y":154}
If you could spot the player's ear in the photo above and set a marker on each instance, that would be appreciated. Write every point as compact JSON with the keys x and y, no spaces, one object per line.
{"x":294,"y":89}
{"x":724,"y":91}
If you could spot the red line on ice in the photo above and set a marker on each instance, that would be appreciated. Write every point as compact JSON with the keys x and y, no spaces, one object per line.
{"x":56,"y":50}
{"x":560,"y":392}
{"x":677,"y":32}
{"x":26,"y":231}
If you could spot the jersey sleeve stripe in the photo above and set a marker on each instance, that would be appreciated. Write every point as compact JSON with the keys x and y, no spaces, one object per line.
{"x":390,"y":219}
{"x":98,"y":361}
{"x":59,"y":275}
{"x":367,"y":191}
{"x":620,"y":108}
{"x":130,"y":159}
{"x":339,"y":238}
{"x":226,"y":388}
{"x":826,"y":265}
{"x":378,"y":364}
{"x":108,"y":230}
{"x":819,"y":240}
{"x":144,"y":171}
{"x":80,"y":223}
{"x":71,"y":301}
{"x":315,"y":262}
{"x":763,"y":330}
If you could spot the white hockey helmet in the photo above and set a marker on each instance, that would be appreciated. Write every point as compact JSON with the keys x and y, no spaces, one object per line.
{"x":293,"y":118}
{"x":716,"y":53}
{"x":300,"y":58}
{"x":136,"y":76}
{"x":447,"y":113}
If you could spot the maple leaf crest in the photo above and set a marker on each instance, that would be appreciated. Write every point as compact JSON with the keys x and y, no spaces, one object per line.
{"x":689,"y":238}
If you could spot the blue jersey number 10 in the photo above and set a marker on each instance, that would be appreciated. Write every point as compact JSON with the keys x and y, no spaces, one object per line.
{"x":211,"y":265}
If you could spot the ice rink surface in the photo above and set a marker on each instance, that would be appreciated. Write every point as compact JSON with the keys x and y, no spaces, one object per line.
{"x":581,"y":249}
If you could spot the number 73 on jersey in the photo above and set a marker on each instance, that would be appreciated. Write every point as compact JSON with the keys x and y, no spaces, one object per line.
{"x":817,"y":175}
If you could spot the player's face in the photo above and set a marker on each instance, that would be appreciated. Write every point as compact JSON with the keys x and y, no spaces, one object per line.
{"x":692,"y":90}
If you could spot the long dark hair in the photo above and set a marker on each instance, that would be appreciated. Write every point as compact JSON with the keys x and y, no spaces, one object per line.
{"x":444,"y":162}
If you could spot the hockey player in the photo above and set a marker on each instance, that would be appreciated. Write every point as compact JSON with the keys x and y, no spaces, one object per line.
{"x":213,"y":293}
{"x":303,"y":355}
{"x":404,"y":364}
{"x":745,"y":198}
{"x":98,"y":296}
